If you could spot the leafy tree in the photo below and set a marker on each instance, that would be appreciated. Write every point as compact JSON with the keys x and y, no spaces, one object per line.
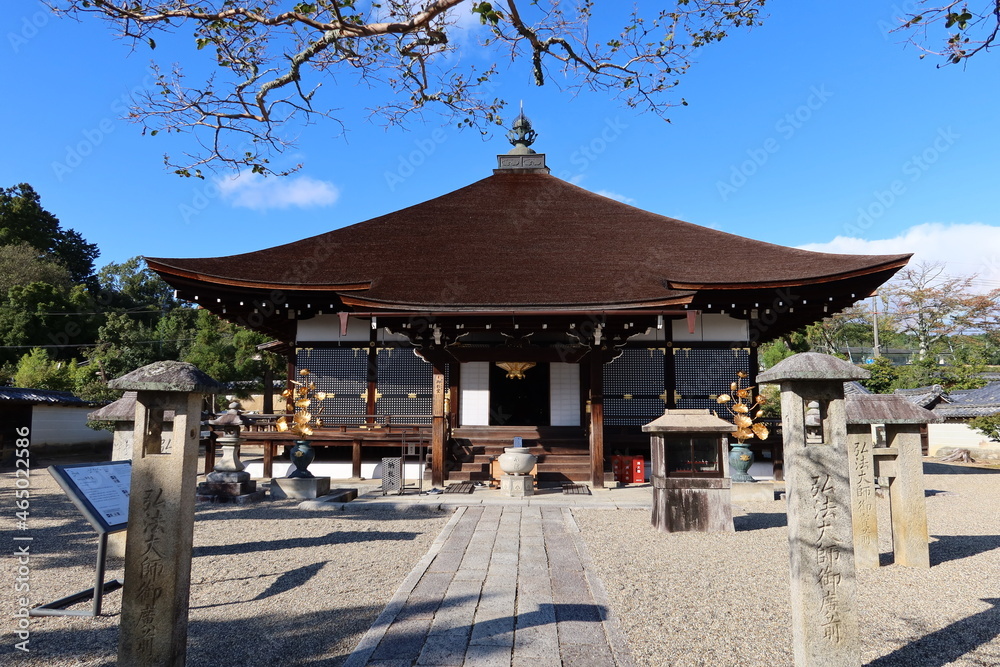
{"x":41,"y":314}
{"x":228,"y":353}
{"x":21,"y":264}
{"x":271,"y":59}
{"x":131,"y":286}
{"x":23,"y":220}
{"x":988,"y":425}
{"x":929,"y":305}
{"x":884,"y":376}
{"x":37,"y":370}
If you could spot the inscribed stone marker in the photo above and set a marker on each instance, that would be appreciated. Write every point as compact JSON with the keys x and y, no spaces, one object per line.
{"x":161,"y":514}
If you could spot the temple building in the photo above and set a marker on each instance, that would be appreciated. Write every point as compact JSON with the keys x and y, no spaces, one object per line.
{"x":523,"y":305}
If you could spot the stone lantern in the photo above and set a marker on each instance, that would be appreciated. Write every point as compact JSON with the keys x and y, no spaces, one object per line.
{"x":229,"y":482}
{"x":691,"y":484}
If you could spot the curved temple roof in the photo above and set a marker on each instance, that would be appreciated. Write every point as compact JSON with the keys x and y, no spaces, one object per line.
{"x":524,"y":240}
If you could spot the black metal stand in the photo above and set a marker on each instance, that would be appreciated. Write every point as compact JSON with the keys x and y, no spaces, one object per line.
{"x":58,"y":608}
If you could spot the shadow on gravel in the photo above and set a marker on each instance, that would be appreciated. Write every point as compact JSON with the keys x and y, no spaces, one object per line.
{"x":760,"y":520}
{"x":286,"y":638}
{"x":945,"y":469}
{"x":956,"y":547}
{"x":336,"y":537}
{"x":285,"y":510}
{"x":949,"y":644}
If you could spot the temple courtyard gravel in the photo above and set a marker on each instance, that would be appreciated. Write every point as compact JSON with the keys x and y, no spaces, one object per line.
{"x":275,"y":583}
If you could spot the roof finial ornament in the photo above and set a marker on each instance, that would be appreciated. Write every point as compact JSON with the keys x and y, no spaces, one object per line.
{"x":521,"y":136}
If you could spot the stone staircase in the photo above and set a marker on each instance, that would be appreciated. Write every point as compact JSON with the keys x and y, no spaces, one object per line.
{"x":562,"y":451}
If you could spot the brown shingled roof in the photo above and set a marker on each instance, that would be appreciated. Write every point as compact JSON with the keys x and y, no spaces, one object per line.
{"x":523,"y":240}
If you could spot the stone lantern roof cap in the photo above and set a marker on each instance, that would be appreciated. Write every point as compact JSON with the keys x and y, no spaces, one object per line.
{"x":230,"y":417}
{"x":172,"y":376}
{"x":688,"y":421}
{"x":812,"y":366}
{"x":122,"y":410}
{"x":886,"y":409}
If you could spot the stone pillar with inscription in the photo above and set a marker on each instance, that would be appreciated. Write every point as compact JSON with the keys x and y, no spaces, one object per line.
{"x":161,"y":512}
{"x":864,"y":512}
{"x":900,"y":462}
{"x":820,"y":537}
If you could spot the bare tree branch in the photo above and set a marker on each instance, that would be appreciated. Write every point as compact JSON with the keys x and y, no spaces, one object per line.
{"x":271,"y":58}
{"x":968,"y":31}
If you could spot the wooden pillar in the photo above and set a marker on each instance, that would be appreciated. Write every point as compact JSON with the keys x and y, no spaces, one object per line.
{"x":438,"y":431}
{"x":454,"y":375}
{"x":669,"y":373}
{"x":372,"y":394}
{"x":290,"y":384}
{"x":267,"y":401}
{"x":356,"y":459}
{"x":596,"y":419}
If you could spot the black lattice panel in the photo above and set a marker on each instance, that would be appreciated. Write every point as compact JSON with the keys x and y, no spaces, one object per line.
{"x":405,"y":384}
{"x":633,"y":385}
{"x":342,"y":373}
{"x":702,"y":374}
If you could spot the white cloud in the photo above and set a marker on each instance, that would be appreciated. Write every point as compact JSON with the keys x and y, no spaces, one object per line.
{"x":965,"y":249}
{"x":256,"y":192}
{"x":617,"y":197}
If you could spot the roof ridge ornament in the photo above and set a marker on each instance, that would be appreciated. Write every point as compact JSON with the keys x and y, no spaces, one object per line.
{"x":521,"y":158}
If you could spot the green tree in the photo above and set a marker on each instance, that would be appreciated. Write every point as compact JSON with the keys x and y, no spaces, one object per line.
{"x":884,"y":376}
{"x":228,"y":353}
{"x":42,"y":315}
{"x":23,"y":220}
{"x":131,"y":286}
{"x":37,"y":370}
{"x":988,"y":425}
{"x":21,"y":264}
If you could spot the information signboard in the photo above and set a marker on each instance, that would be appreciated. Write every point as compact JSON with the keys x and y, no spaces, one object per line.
{"x":99,"y":490}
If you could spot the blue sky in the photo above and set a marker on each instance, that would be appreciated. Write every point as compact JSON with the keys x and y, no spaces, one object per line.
{"x":818,"y":129}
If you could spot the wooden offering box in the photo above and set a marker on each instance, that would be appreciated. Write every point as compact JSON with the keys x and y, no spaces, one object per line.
{"x":691,"y":485}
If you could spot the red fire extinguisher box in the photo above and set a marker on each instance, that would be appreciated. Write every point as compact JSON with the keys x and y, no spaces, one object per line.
{"x":628,"y":469}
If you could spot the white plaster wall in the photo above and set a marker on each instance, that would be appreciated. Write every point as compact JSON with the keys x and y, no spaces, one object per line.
{"x":712,"y":327}
{"x":327,"y":328}
{"x":474,"y":383}
{"x":956,"y":435}
{"x":564,"y":394}
{"x":63,"y":425}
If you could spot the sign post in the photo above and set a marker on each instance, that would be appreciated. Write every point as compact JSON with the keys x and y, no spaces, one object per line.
{"x":101,"y":492}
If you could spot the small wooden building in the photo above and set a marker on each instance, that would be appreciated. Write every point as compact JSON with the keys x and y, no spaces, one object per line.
{"x":602,"y":314}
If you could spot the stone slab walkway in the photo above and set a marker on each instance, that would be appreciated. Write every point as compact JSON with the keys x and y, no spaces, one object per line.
{"x":502,"y":586}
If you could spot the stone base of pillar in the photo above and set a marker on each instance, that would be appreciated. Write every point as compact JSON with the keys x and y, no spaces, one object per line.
{"x":517,"y":486}
{"x":749,"y":492}
{"x":305,"y":488}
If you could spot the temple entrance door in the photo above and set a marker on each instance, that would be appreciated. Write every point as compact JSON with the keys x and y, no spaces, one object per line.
{"x":519,"y":402}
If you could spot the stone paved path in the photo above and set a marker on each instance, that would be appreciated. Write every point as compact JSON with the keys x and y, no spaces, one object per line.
{"x":504,"y":587}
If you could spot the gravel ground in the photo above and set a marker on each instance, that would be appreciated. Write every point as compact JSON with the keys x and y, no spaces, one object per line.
{"x":271,"y":584}
{"x":723,"y":599}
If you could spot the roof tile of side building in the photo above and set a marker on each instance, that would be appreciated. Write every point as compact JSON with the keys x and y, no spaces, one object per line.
{"x":24,"y":396}
{"x":526,"y":239}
